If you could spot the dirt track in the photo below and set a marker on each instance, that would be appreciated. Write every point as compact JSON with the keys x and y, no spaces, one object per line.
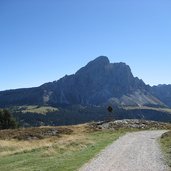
{"x":138,"y":151}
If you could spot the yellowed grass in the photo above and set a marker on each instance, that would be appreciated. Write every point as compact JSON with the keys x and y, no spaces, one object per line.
{"x":75,"y":141}
{"x":39,"y":110}
{"x":149,"y":108}
{"x":15,"y":146}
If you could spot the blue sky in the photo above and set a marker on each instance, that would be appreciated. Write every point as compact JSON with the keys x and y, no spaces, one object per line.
{"x":42,"y":40}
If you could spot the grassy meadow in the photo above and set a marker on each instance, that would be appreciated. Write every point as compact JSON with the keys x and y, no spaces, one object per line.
{"x":65,"y":152}
{"x":64,"y":148}
{"x":35,"y":109}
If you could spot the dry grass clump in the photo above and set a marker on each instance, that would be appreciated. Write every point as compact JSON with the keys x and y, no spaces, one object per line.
{"x":33,"y":133}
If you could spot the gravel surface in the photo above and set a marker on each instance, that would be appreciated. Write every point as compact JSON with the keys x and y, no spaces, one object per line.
{"x":138,"y":151}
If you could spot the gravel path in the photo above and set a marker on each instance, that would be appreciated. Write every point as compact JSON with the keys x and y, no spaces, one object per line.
{"x":138,"y":151}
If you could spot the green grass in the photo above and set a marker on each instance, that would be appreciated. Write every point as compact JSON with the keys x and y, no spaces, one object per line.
{"x":165,"y":142}
{"x":68,"y":159}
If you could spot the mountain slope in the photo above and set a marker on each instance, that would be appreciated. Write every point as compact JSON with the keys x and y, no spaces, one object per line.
{"x":27,"y":96}
{"x":101,"y":82}
{"x":98,"y":83}
{"x":162,"y":92}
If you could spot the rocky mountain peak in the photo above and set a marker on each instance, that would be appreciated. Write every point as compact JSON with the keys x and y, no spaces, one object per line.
{"x":95,"y":65}
{"x":94,"y":84}
{"x":101,"y":60}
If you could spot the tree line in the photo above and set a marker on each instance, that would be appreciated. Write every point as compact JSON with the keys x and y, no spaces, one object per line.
{"x":6,"y":120}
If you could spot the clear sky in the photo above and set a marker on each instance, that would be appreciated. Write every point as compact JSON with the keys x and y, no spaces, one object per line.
{"x":42,"y":40}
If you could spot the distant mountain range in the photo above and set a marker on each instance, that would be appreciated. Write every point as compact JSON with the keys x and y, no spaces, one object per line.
{"x":99,"y":83}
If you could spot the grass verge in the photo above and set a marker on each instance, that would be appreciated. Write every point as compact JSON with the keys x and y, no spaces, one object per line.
{"x":65,"y":153}
{"x":165,"y":142}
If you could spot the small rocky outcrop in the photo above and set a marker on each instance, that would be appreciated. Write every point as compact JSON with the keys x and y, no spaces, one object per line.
{"x":130,"y":124}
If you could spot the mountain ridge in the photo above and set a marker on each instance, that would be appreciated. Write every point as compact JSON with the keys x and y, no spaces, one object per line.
{"x":97,"y":83}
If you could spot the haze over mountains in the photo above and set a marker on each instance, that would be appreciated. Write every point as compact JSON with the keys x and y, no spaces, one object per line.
{"x":98,"y":83}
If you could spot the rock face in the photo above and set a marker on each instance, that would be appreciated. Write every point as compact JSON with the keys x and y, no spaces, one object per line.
{"x":162,"y":92}
{"x":98,"y":83}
